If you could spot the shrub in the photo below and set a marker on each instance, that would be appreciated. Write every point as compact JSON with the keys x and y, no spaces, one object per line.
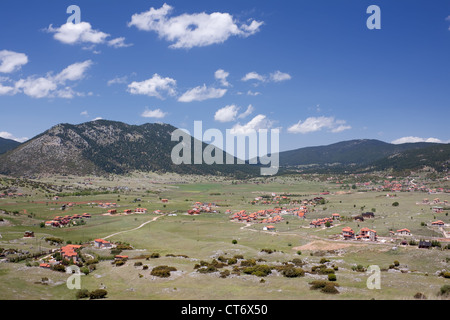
{"x":330,"y":288}
{"x":259,"y":271}
{"x":81,"y":294}
{"x":396,"y":263}
{"x":324,"y":260}
{"x":138,"y":264}
{"x":445,"y":290}
{"x":332,"y":277}
{"x":395,"y":204}
{"x":446,"y":275}
{"x":98,"y":294}
{"x":224,"y":273}
{"x":324,"y":286}
{"x":299,"y":252}
{"x":291,"y":272}
{"x":248,"y":263}
{"x":232,"y":261}
{"x":420,"y":296}
{"x":234,"y":241}
{"x":162,"y":271}
{"x":154,"y":255}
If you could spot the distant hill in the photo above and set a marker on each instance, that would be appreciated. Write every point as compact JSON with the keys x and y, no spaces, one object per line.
{"x":435,"y":156}
{"x":353,"y":152}
{"x":7,"y":144}
{"x":103,"y":147}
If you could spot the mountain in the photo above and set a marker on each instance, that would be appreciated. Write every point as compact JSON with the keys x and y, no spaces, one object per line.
{"x":7,"y":144}
{"x":435,"y":156}
{"x":353,"y":152}
{"x":103,"y":147}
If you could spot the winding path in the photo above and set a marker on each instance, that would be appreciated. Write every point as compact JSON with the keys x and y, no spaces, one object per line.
{"x":145,"y":223}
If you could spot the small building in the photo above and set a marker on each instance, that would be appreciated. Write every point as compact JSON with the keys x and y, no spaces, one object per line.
{"x":45,"y":265}
{"x":424,"y":244}
{"x":403,"y":232}
{"x":368,"y":215}
{"x":348,"y":233}
{"x":367,"y":234}
{"x":269,"y":228}
{"x":86,"y":215}
{"x":438,"y":209}
{"x":336,"y":216}
{"x":100,"y":243}
{"x":164,"y":200}
{"x":438,"y":223}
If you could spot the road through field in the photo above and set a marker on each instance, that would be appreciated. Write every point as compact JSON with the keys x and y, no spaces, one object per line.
{"x":145,"y":223}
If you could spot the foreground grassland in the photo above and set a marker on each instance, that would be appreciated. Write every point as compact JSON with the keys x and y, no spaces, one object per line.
{"x":182,"y":240}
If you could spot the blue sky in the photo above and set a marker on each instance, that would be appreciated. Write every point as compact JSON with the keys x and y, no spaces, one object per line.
{"x":310,"y":68}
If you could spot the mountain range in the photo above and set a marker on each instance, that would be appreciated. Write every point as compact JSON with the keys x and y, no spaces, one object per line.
{"x":7,"y":144}
{"x":103,"y":147}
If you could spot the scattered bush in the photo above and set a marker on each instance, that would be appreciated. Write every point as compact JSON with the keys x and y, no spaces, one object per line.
{"x":81,"y":294}
{"x":98,"y":294}
{"x":162,"y":271}
{"x":324,"y":286}
{"x":445,"y":290}
{"x":332,"y":277}
{"x":234,"y":241}
{"x":259,"y":271}
{"x":420,"y":296}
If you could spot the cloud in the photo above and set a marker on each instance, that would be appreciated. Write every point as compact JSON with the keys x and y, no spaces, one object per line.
{"x":251,"y":93}
{"x":226,"y":114}
{"x":77,"y":33}
{"x":97,"y":118}
{"x":73,"y":72}
{"x":202,"y":93}
{"x":416,"y":139}
{"x":313,"y":124}
{"x":119,"y":43}
{"x":276,"y":76}
{"x":154,"y":87}
{"x":7,"y":135}
{"x":84,"y":113}
{"x":279,"y":76}
{"x":257,"y":123}
{"x":158,"y":114}
{"x":117,"y":80}
{"x":11,"y":61}
{"x":50,"y":86}
{"x":192,"y":30}
{"x":247,"y":112}
{"x":222,"y":75}
{"x":253,"y":76}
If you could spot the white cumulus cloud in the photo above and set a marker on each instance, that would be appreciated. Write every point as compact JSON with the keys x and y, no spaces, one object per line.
{"x":412,"y":139}
{"x":10,"y":136}
{"x":226,"y":114}
{"x":157,"y":113}
{"x":154,"y":87}
{"x":258,"y":122}
{"x":77,"y":33}
{"x":11,"y":61}
{"x":202,"y":93}
{"x":313,"y":124}
{"x":222,"y":76}
{"x":192,"y":30}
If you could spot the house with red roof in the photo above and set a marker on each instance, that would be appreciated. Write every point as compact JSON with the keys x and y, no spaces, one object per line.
{"x":102,"y":244}
{"x":348,"y":233}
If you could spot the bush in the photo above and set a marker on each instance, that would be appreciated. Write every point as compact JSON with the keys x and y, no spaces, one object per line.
{"x":291,"y":272}
{"x":259,"y":271}
{"x":324,"y":286}
{"x":98,"y":294}
{"x":162,"y":271}
{"x":445,"y":290}
{"x":420,"y":296}
{"x":324,"y":260}
{"x":396,"y":263}
{"x":81,"y":294}
{"x":395,"y":204}
{"x":332,"y":277}
{"x":234,"y":242}
{"x":155,"y":255}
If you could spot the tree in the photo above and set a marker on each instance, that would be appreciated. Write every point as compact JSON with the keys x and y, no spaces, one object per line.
{"x":395,"y":204}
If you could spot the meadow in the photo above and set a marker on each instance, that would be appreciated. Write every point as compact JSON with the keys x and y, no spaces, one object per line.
{"x":183,"y":240}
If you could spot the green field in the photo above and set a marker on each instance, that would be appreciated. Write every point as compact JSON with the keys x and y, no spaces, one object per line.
{"x":209,"y":236}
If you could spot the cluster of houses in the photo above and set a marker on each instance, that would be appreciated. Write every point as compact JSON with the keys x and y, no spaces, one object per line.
{"x":70,"y":252}
{"x":11,"y":195}
{"x":324,"y":221}
{"x":59,"y":221}
{"x":364,"y":234}
{"x":127,"y":211}
{"x":200,"y":207}
{"x":269,"y":216}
